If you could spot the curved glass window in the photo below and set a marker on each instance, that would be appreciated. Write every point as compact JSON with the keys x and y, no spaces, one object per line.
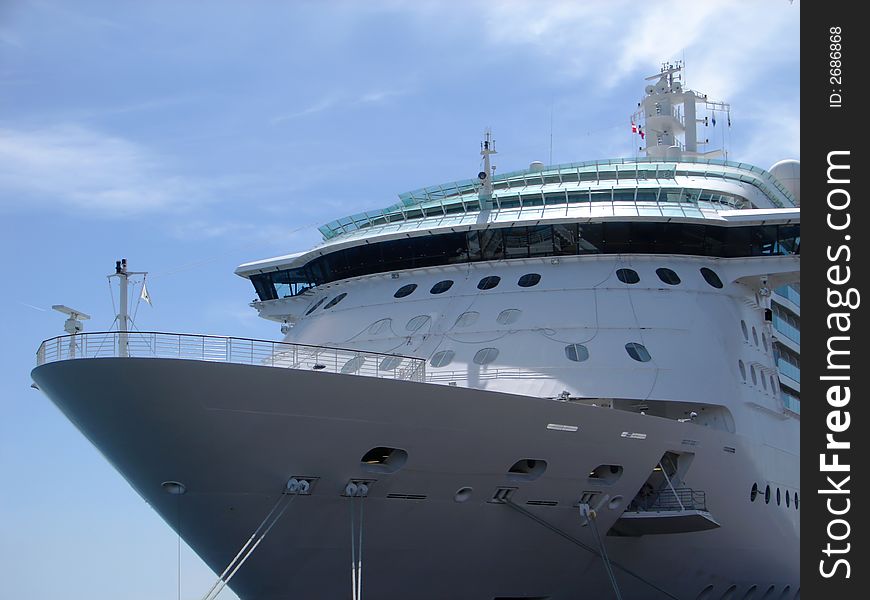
{"x":638,"y":352}
{"x":379,"y":327}
{"x":405,"y":290}
{"x":711,"y":277}
{"x":754,"y":335}
{"x":417,"y":322}
{"x":335,"y":300}
{"x":767,"y":494}
{"x":576,"y":352}
{"x":390,"y":363}
{"x":564,"y":239}
{"x":754,"y":376}
{"x":778,"y":497}
{"x":744,"y":330}
{"x":529,"y":280}
{"x":485,"y":356}
{"x":796,"y":501}
{"x":742,"y":368}
{"x":508,"y":316}
{"x":668,"y":276}
{"x":787,"y":499}
{"x":316,"y":305}
{"x":467,"y":318}
{"x":441,"y":287}
{"x":353,"y":365}
{"x":442,"y":358}
{"x":487,"y":283}
{"x":754,"y":493}
{"x":627,"y":275}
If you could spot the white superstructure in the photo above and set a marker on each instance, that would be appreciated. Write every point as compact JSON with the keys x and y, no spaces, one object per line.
{"x":614,"y":338}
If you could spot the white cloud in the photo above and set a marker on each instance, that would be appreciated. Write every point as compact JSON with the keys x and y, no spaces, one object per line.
{"x":337,"y":101}
{"x":88,"y":171}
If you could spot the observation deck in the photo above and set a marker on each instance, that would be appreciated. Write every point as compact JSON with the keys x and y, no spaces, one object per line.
{"x":244,"y":351}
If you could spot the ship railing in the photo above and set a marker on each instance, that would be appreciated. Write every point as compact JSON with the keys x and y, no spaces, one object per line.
{"x":246,"y":351}
{"x":669,"y":499}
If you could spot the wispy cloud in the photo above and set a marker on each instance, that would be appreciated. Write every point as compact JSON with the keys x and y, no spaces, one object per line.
{"x":334,"y":101}
{"x":88,"y":171}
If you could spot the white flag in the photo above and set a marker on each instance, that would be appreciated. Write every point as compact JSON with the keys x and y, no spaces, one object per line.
{"x":145,"y":295}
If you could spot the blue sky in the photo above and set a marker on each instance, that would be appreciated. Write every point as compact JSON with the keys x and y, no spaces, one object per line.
{"x":189,"y":137}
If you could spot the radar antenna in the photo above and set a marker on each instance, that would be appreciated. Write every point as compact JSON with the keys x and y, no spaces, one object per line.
{"x":72,"y":325}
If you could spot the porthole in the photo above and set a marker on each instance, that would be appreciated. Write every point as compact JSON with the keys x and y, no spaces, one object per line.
{"x":796,"y":501}
{"x":742,"y":368}
{"x":627,"y":276}
{"x":441,"y":287}
{"x":787,"y":499}
{"x":606,"y":473}
{"x":335,"y":300}
{"x":384,"y":460}
{"x":442,"y":358}
{"x":750,"y":593}
{"x":467,"y":318}
{"x":576,"y":352}
{"x":485,"y":356}
{"x":508,"y":316}
{"x":753,"y":494}
{"x":729,"y":593}
{"x":353,"y":365}
{"x":390,"y":363}
{"x":527,"y":469}
{"x":316,"y":305}
{"x":405,"y":290}
{"x":379,"y":327}
{"x":778,"y":498}
{"x":745,"y":331}
{"x":764,"y":341}
{"x":705,"y":593}
{"x":754,"y":376}
{"x":417,"y":322}
{"x":767,"y":494}
{"x":710,"y":277}
{"x":764,"y":382}
{"x":638,"y":352}
{"x":754,"y":336}
{"x":668,"y":276}
{"x":769,"y":593}
{"x":487,"y":283}
{"x":772,"y":384}
{"x":529,"y":280}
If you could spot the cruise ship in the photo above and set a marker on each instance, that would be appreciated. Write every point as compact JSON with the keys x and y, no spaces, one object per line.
{"x":570,"y":381}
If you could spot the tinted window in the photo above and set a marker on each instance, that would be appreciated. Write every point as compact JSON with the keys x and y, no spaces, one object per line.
{"x":711,"y":277}
{"x":441,"y":359}
{"x":638,"y":352}
{"x":576,"y":352}
{"x":508,"y":316}
{"x":627,"y":275}
{"x":417,"y":322}
{"x":485,"y":356}
{"x":668,"y":276}
{"x":405,"y":290}
{"x":390,"y":363}
{"x":529,"y":280}
{"x":487,"y":283}
{"x":754,"y":493}
{"x":767,"y":494}
{"x":441,"y":287}
{"x":335,"y":301}
{"x":313,"y":308}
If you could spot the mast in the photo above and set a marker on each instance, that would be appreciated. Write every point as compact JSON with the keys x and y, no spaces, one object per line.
{"x":487,"y":148}
{"x":670,"y":116}
{"x":123,"y":317}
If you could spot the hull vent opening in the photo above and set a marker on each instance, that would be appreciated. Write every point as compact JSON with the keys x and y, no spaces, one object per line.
{"x":542,"y":502}
{"x":383,"y":459}
{"x":606,"y":474}
{"x":407,"y":496}
{"x":502,"y":495}
{"x":527,"y":469}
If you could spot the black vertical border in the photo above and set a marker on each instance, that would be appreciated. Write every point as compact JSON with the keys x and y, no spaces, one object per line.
{"x":825,"y":128}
